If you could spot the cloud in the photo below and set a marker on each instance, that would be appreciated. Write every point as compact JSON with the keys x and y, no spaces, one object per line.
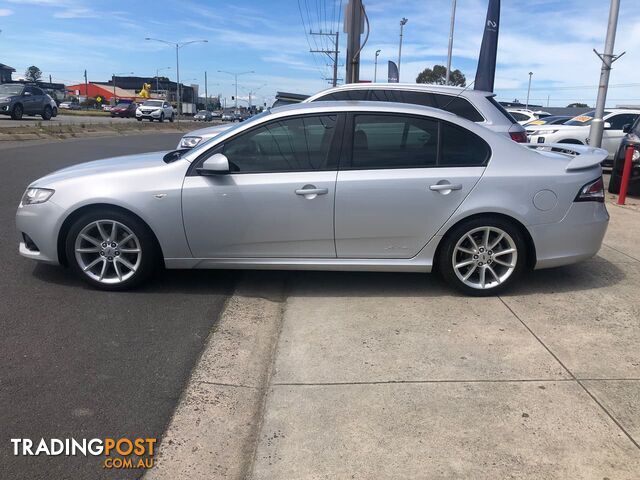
{"x":5,"y":12}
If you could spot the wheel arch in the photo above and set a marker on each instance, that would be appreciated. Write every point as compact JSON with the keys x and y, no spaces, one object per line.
{"x":531,"y":247}
{"x":73,"y":216}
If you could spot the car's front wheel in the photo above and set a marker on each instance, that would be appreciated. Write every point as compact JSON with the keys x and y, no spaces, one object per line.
{"x":483,"y":256}
{"x":111,"y":250}
{"x":17,"y":112}
{"x":161,"y":119}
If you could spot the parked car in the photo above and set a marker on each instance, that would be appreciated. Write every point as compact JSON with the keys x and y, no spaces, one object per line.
{"x":632,"y":137}
{"x":124,"y":110}
{"x":203,"y":116}
{"x":475,"y":105}
{"x":69,"y":106}
{"x":576,"y":130}
{"x":227,"y":117}
{"x":106,"y":107}
{"x":155,"y":110}
{"x":550,"y":120}
{"x":17,"y":99}
{"x":325,"y":185}
{"x":523,"y":115}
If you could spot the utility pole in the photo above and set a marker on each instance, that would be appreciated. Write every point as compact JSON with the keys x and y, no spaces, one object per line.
{"x":206,"y":96}
{"x":375,"y":67}
{"x":353,"y":27}
{"x":450,"y":52}
{"x":86,"y":85}
{"x":158,"y":76}
{"x":332,"y":54}
{"x":608,"y":57}
{"x":528,"y":91}
{"x":403,"y":22}
{"x":50,"y":78}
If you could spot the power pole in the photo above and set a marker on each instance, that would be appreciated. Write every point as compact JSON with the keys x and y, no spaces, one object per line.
{"x":332,"y":54}
{"x":50,"y":78}
{"x":354,"y":26}
{"x":206,"y":96}
{"x":608,"y":57}
{"x":450,"y":51}
{"x":375,"y":67}
{"x":528,"y":91}
{"x":86,"y":85}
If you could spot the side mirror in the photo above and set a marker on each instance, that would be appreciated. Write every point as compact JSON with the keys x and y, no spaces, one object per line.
{"x":216,"y":164}
{"x":607,"y":126}
{"x":626,"y":128}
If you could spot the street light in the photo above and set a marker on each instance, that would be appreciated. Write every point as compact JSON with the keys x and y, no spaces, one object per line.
{"x":375,"y":67}
{"x":450,"y":50}
{"x":253,"y":92}
{"x":403,"y":22}
{"x":236,"y":81}
{"x":528,"y":90}
{"x":158,"y":70}
{"x":113,"y":80}
{"x":178,"y":46}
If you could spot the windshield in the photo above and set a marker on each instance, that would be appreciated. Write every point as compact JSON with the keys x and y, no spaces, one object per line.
{"x":153,"y":103}
{"x":123,"y":105}
{"x":584,"y":119}
{"x":10,"y":89}
{"x":202,"y":112}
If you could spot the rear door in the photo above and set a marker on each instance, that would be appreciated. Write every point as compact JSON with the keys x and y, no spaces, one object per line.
{"x":31,"y":101}
{"x":401,"y":178}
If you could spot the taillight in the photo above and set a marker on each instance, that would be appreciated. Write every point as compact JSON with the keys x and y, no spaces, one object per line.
{"x":520,"y":137}
{"x":591,"y":192}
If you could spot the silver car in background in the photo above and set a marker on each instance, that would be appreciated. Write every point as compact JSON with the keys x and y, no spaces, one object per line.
{"x":327,"y":186}
{"x":474,"y":105}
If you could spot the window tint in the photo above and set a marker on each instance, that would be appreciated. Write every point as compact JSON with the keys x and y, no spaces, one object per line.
{"x":37,"y":91}
{"x":520,"y":116}
{"x":619,"y":121}
{"x":461,"y":148}
{"x":344,"y":95}
{"x":501,"y":109}
{"x":391,"y":141}
{"x":297,"y":144}
{"x":458,"y":105}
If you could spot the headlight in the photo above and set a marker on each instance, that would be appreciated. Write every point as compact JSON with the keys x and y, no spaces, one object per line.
{"x":6,"y":100}
{"x":36,"y":195}
{"x":636,"y":155}
{"x":190,"y":142}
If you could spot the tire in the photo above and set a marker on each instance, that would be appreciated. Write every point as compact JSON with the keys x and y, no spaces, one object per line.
{"x":487,"y":257}
{"x":161,"y":119}
{"x":55,"y":111}
{"x":108,"y":263}
{"x":139,"y":119}
{"x":17,"y":112}
{"x":47,"y":113}
{"x":172,"y":118}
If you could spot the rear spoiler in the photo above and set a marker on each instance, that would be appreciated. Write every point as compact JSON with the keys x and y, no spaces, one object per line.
{"x":582,"y":156}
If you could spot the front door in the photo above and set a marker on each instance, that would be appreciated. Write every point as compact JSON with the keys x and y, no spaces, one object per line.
{"x":612,"y":136}
{"x":278,"y":199}
{"x":402,"y":183}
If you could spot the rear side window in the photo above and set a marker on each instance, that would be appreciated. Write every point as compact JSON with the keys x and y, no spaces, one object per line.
{"x":393,"y":141}
{"x":520,"y":117}
{"x":501,"y":109}
{"x":461,"y":148}
{"x":458,"y":105}
{"x":343,"y":96}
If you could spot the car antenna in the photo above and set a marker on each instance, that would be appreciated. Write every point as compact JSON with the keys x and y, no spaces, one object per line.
{"x":460,"y":93}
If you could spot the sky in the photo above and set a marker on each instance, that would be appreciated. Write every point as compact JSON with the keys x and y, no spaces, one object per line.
{"x":554,"y":39}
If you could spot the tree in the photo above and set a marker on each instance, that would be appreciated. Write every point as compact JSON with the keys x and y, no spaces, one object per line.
{"x":577,"y":105}
{"x":438,"y":74}
{"x":33,"y":74}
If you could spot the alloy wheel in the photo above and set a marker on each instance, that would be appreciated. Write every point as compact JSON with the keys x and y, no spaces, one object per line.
{"x":484,"y":257}
{"x":108,"y":251}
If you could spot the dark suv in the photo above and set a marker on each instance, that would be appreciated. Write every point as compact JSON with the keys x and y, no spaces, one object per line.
{"x":632,"y":137}
{"x":17,"y":99}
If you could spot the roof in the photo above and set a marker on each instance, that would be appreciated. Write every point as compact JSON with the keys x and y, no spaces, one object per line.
{"x":6,"y":67}
{"x":351,"y":105}
{"x":406,"y":86}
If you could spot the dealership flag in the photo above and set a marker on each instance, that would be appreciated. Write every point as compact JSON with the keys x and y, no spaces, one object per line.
{"x":486,"y":72}
{"x":392,"y":76}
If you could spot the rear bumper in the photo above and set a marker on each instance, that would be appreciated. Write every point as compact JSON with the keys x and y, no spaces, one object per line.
{"x":578,"y":236}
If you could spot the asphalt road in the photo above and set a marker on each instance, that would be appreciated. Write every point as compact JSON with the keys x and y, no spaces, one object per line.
{"x":79,"y":363}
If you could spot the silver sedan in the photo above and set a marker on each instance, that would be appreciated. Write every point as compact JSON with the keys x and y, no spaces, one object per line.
{"x":326,"y":186}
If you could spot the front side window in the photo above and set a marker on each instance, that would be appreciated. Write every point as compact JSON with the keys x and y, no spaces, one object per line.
{"x":619,"y":121}
{"x":392,"y":141}
{"x":297,"y":144}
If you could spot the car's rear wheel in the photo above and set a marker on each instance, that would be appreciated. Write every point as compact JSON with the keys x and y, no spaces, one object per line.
{"x":55,"y":111}
{"x":139,"y":119}
{"x":47,"y":113}
{"x":111,"y":250}
{"x":483,"y":256}
{"x":17,"y":112}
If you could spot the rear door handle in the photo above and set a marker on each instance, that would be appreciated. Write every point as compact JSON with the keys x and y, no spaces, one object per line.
{"x":445,"y":186}
{"x":312,"y":191}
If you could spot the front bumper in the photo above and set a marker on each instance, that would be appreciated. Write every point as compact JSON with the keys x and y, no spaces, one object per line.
{"x":153,"y":114}
{"x":41,"y":223}
{"x":578,"y":236}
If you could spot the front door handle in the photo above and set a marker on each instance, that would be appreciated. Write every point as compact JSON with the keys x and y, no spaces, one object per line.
{"x":311,"y":190}
{"x":439,"y":187}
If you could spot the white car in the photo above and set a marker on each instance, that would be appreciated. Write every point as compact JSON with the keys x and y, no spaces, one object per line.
{"x":155,"y":110}
{"x":523,"y":116}
{"x":576,"y":130}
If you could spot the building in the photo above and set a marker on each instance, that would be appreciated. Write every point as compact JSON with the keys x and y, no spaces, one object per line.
{"x":5,"y":73}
